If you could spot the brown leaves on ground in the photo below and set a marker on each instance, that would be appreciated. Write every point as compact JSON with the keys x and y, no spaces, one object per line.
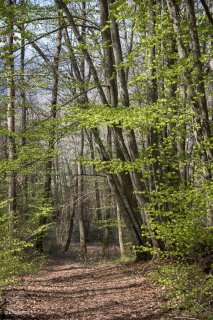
{"x":65,"y":289}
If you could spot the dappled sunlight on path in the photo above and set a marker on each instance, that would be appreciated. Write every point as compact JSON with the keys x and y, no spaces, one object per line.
{"x":68,"y":290}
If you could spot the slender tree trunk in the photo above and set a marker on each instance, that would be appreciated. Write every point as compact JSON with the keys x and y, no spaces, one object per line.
{"x":198,"y":100}
{"x":122,"y":189}
{"x":81,"y":220}
{"x":120,"y":233}
{"x":109,"y":59}
{"x":85,"y":52}
{"x":200,"y":88}
{"x":12,"y":193}
{"x":71,"y":219}
{"x":131,"y":153}
{"x":96,"y":183}
{"x":152,"y":93}
{"x":119,"y":136}
{"x":105,"y":240}
{"x":49,"y":165}
{"x":23,"y":116}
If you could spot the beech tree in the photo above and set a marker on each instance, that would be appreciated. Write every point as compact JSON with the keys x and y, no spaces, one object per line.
{"x":113,"y":91}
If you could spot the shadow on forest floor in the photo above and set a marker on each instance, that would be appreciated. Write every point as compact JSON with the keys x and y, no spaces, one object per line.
{"x":67,"y":290}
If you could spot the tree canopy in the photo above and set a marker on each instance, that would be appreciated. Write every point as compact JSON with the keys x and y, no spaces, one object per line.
{"x":106,"y":125}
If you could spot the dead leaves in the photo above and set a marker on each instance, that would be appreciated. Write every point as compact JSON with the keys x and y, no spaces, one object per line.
{"x":66,"y":290}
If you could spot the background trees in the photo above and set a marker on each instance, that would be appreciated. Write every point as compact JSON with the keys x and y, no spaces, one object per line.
{"x":111,"y":101}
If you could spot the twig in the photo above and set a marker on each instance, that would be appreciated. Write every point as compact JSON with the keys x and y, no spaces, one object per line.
{"x":186,"y":318}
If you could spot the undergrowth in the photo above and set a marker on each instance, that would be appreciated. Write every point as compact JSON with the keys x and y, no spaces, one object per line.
{"x":188,"y":290}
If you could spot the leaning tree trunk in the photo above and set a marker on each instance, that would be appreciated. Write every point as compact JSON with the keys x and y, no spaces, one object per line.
{"x":199,"y":79}
{"x":196,"y":97}
{"x":195,"y":84}
{"x":126,"y":200}
{"x":131,"y":153}
{"x":208,"y":12}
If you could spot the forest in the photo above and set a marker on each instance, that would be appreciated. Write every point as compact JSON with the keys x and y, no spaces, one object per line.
{"x":106,"y":151}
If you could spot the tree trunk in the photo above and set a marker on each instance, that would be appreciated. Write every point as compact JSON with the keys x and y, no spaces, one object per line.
{"x":105,"y":240}
{"x":198,"y":100}
{"x":23,"y":116}
{"x":202,"y":102}
{"x":81,"y":220}
{"x":48,"y":178}
{"x":122,"y":189}
{"x":124,"y":93}
{"x":71,"y":224}
{"x":11,"y":117}
{"x":51,"y":147}
{"x":120,"y":233}
{"x":208,"y":12}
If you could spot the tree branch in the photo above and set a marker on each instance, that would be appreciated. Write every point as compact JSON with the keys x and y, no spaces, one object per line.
{"x":96,"y":26}
{"x":208,"y":13}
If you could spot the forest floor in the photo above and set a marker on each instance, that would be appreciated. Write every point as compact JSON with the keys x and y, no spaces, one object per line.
{"x":68,"y":290}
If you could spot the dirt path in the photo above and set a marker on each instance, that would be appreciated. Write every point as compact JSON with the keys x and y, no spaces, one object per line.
{"x":68,"y":290}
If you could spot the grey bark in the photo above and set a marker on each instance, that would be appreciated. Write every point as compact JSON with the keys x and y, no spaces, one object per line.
{"x":84,"y":49}
{"x":126,"y":199}
{"x":51,"y":142}
{"x":12,"y":192}
{"x":49,"y":165}
{"x":23,"y":116}
{"x":120,"y":233}
{"x":71,"y":218}
{"x":81,"y":219}
{"x":199,"y":103}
